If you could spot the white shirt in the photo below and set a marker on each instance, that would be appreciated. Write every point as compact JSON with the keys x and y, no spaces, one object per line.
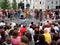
{"x":2,"y":24}
{"x":40,"y":28}
{"x":13,"y":24}
{"x":32,"y":33}
{"x":56,"y":28}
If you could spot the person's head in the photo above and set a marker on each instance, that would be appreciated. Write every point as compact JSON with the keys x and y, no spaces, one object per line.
{"x":15,"y":33}
{"x":8,"y":40}
{"x":45,"y":30}
{"x":32,"y":22}
{"x":24,"y":40}
{"x":2,"y":32}
{"x":36,"y":30}
{"x":31,"y":27}
{"x":24,"y":26}
{"x":47,"y":21}
{"x":58,"y":42}
{"x":41,"y":38}
{"x":9,"y":27}
{"x":52,"y":30}
{"x":41,"y":24}
{"x":28,"y":35}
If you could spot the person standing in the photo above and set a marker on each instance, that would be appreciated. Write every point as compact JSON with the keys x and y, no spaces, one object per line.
{"x":47,"y":36}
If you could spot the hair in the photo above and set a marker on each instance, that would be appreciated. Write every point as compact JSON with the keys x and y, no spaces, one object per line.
{"x":28,"y":35}
{"x":25,"y":40}
{"x":41,"y":24}
{"x":2,"y":33}
{"x":2,"y":21}
{"x":24,"y":26}
{"x":48,"y":21}
{"x":8,"y":39}
{"x":31,"y":27}
{"x":36,"y":30}
{"x":52,"y":30}
{"x":41,"y":38}
{"x":15,"y":33}
{"x":32,"y":22}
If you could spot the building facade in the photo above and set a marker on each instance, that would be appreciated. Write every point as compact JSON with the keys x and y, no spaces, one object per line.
{"x":47,"y":4}
{"x":40,"y":4}
{"x":30,"y":2}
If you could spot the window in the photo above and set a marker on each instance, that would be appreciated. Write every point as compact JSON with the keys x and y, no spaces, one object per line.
{"x":56,"y":2}
{"x":57,"y":7}
{"x":43,"y":2}
{"x":40,"y":2}
{"x":47,"y":7}
{"x":52,"y":2}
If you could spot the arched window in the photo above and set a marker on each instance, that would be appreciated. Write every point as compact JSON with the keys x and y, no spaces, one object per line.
{"x":56,"y":2}
{"x":47,"y":7}
{"x":40,"y":2}
{"x":52,"y":2}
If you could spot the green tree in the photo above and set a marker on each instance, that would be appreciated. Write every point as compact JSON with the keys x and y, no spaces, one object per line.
{"x":14,"y":4}
{"x":5,"y":4}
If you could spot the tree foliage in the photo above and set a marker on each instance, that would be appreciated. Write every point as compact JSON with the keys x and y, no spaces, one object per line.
{"x":5,"y":4}
{"x":14,"y":4}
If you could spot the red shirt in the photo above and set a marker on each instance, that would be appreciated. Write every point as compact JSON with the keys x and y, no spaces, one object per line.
{"x":22,"y":31}
{"x":4,"y":12}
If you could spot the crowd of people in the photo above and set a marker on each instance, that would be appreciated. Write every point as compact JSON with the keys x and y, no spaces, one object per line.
{"x":27,"y":13}
{"x":42,"y":33}
{"x":47,"y":33}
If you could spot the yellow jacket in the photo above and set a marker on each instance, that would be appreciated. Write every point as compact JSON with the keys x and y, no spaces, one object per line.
{"x":47,"y":37}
